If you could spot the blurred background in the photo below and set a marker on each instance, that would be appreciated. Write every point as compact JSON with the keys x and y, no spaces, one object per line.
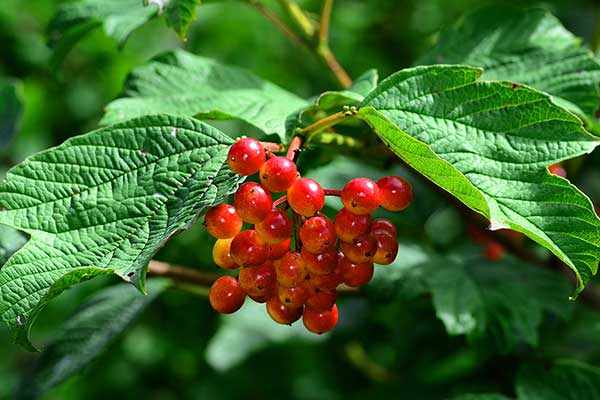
{"x":390,"y":341}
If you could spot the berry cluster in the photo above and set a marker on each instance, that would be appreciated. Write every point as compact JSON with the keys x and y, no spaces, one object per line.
{"x":293,"y":257}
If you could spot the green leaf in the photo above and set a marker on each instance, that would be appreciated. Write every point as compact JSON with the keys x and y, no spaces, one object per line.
{"x":117,"y":17}
{"x":489,"y":144}
{"x":179,"y":13}
{"x":481,"y":396}
{"x":566,"y":380}
{"x":11,"y":110}
{"x":98,"y":322}
{"x":250,"y":330}
{"x":106,"y":202}
{"x":184,"y":84}
{"x":530,"y":47}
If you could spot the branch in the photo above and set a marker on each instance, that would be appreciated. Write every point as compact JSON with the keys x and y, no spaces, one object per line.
{"x":271,"y":16}
{"x":325,"y":21}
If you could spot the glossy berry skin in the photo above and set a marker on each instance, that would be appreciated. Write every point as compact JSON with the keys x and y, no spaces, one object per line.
{"x":494,"y":251}
{"x":356,"y":274}
{"x":226,"y":295}
{"x":387,"y":247}
{"x":275,"y":228}
{"x":320,"y":322}
{"x":293,"y":296}
{"x":263,"y":298}
{"x":319,"y":263}
{"x":278,"y":174}
{"x":258,"y":280}
{"x":381,"y":224}
{"x":282,"y":314}
{"x":349,"y":226}
{"x":361,"y":196}
{"x":557,"y":169}
{"x":306,"y":197}
{"x":325,"y":282}
{"x":361,"y":250}
{"x":246,"y":156}
{"x":290,"y":270}
{"x":252,"y":202}
{"x":396,"y":193}
{"x":278,"y":250}
{"x":317,"y":234}
{"x":221,"y":255}
{"x":247,"y":249}
{"x":223,"y":221}
{"x":321,"y":300}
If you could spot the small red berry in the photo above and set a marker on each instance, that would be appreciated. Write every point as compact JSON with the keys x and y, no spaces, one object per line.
{"x":327,"y":282}
{"x":387,"y":248}
{"x":278,"y":174}
{"x":356,"y":274}
{"x":361,"y":250}
{"x":275,"y":228}
{"x":226,"y":295}
{"x":494,"y":251}
{"x":321,"y":300}
{"x":384,"y":225}
{"x":258,"y":280}
{"x":246,"y":156}
{"x":253,"y":202}
{"x":222,"y":256}
{"x":293,"y":296}
{"x":349,"y":226}
{"x":306,"y":197}
{"x":290,"y":270}
{"x":558,"y":169}
{"x":317,"y":234}
{"x":361,"y":196}
{"x":247,"y":249}
{"x":320,"y":322}
{"x":281,"y":313}
{"x":396,"y":193}
{"x":319,"y":263}
{"x":278,"y":250}
{"x":223,"y":221}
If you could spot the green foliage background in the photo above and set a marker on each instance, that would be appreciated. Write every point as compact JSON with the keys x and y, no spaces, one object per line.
{"x":440,"y":322}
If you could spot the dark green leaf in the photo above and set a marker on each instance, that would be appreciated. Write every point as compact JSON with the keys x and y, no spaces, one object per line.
{"x":489,"y":144}
{"x":481,"y":396}
{"x":566,"y":380}
{"x":184,"y":84}
{"x":86,"y":334}
{"x":11,"y":110}
{"x":11,"y":240}
{"x":106,"y":202}
{"x":530,"y":47}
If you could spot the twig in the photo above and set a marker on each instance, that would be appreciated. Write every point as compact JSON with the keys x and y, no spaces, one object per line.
{"x":325,"y":21}
{"x":271,"y":16}
{"x":293,"y":10}
{"x":326,"y":122}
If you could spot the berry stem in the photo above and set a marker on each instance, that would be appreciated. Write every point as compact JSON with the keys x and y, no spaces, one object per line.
{"x":279,"y":201}
{"x":273,"y":147}
{"x":294,"y":149}
{"x":327,"y":122}
{"x":333,"y":192}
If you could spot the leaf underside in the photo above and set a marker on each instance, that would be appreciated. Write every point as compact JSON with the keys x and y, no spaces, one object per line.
{"x":105,"y":202}
{"x":489,"y":144}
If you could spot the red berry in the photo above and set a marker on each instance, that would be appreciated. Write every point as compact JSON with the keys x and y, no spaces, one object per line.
{"x":253,"y":202}
{"x":320,"y":322}
{"x":356,"y":274}
{"x":247,"y":248}
{"x":321,"y":300}
{"x":306,"y":197}
{"x":290,"y":270}
{"x":222,"y":221}
{"x":317,"y":234}
{"x":263,"y":297}
{"x":361,"y":196}
{"x":293,"y":296}
{"x":396,"y":193}
{"x":557,"y":169}
{"x":384,"y":225}
{"x":278,"y":174}
{"x":246,"y":156}
{"x":258,"y":280}
{"x":361,"y":250}
{"x":387,"y":248}
{"x":282,"y":314}
{"x":226,"y":295}
{"x":349,"y":226}
{"x":327,"y":282}
{"x":494,"y":251}
{"x":222,"y":256}
{"x":278,"y":250}
{"x":275,"y":228}
{"x":319,"y":263}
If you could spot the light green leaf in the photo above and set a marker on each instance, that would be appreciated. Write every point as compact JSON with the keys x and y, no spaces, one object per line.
{"x":184,"y":84}
{"x":530,"y":47}
{"x":99,"y":321}
{"x":179,"y":13}
{"x":106,"y":202}
{"x":250,"y":330}
{"x":566,"y":380}
{"x":11,"y":110}
{"x":489,"y":144}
